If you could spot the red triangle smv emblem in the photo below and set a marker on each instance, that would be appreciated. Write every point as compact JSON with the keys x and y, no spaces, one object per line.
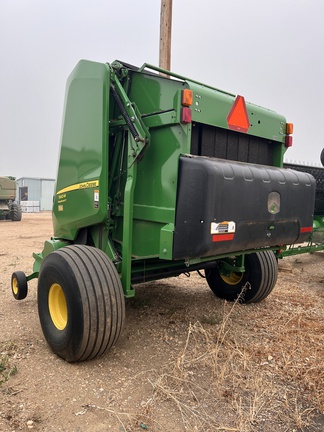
{"x":238,"y":118}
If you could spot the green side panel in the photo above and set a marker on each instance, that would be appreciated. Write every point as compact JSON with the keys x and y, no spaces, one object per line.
{"x":158,"y":100}
{"x":81,"y":197}
{"x":156,"y":189}
{"x":155,"y":94}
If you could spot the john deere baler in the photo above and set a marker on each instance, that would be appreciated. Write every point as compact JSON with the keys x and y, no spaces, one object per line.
{"x":160,"y":175}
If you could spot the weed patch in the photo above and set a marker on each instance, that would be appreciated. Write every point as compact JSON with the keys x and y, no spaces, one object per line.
{"x":7,"y":369}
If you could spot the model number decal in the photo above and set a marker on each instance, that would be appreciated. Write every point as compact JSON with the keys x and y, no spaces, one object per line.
{"x":222,"y":231}
{"x":224,"y":227}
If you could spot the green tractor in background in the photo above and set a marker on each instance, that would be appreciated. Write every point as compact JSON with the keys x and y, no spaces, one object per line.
{"x":9,"y":209}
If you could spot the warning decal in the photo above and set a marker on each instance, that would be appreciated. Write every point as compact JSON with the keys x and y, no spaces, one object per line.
{"x":222,"y":231}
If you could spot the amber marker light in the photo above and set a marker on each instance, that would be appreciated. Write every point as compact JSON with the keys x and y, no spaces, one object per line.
{"x":186,"y":98}
{"x":289,"y":128}
{"x":289,"y":131}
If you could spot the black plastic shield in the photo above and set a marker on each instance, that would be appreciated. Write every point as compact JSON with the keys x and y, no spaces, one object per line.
{"x":224,"y":206}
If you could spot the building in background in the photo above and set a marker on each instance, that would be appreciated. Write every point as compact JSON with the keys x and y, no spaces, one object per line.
{"x":35,"y":194}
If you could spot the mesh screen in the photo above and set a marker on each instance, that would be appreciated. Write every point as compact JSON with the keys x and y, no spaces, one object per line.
{"x":318,"y":174}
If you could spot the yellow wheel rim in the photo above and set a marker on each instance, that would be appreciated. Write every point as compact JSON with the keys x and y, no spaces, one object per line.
{"x":57,"y":306}
{"x":233,"y":278}
{"x":15,"y":286}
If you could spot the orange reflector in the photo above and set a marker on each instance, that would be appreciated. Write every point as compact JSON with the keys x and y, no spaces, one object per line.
{"x":186,"y":98}
{"x":238,"y":118}
{"x":186,"y":115}
{"x":289,"y":128}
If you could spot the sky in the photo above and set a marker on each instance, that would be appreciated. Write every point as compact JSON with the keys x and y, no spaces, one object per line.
{"x":269,"y":51}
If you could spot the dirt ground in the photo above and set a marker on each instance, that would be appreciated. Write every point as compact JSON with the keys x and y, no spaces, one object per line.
{"x":186,"y":361}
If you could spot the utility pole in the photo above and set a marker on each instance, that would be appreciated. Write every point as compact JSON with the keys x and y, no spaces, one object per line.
{"x":165,"y":34}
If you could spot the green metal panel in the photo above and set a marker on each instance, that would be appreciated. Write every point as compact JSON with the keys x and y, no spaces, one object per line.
{"x":155,"y":94}
{"x":158,"y":100}
{"x":212,"y":107}
{"x":155,"y":190}
{"x":81,"y":190}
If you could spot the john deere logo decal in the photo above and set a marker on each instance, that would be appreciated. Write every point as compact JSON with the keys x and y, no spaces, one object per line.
{"x":85,"y":185}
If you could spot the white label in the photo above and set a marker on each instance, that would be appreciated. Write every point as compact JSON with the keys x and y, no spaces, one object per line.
{"x":222,"y":227}
{"x":96,"y":198}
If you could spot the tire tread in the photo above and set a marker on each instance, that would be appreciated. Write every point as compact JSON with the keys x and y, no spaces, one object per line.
{"x":102,"y":301}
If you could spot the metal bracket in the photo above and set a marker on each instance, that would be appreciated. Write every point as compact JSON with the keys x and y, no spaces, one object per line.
{"x":132,"y":118}
{"x":128,"y":225}
{"x":235,"y":264}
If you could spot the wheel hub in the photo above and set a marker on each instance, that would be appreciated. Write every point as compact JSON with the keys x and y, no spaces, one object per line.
{"x":233,"y":278}
{"x":15,"y":287}
{"x":57,"y":306}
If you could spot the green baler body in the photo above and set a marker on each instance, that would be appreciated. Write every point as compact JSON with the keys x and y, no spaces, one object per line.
{"x":87,"y":150}
{"x":120,"y":194}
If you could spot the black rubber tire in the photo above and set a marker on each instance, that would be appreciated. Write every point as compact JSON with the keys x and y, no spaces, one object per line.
{"x":259,"y":278}
{"x":90,"y":296}
{"x":19,"y":286}
{"x":322,"y":157}
{"x":15,"y":213}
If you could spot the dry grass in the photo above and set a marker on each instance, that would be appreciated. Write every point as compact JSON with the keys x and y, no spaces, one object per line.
{"x":255,"y":368}
{"x":269,"y":379}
